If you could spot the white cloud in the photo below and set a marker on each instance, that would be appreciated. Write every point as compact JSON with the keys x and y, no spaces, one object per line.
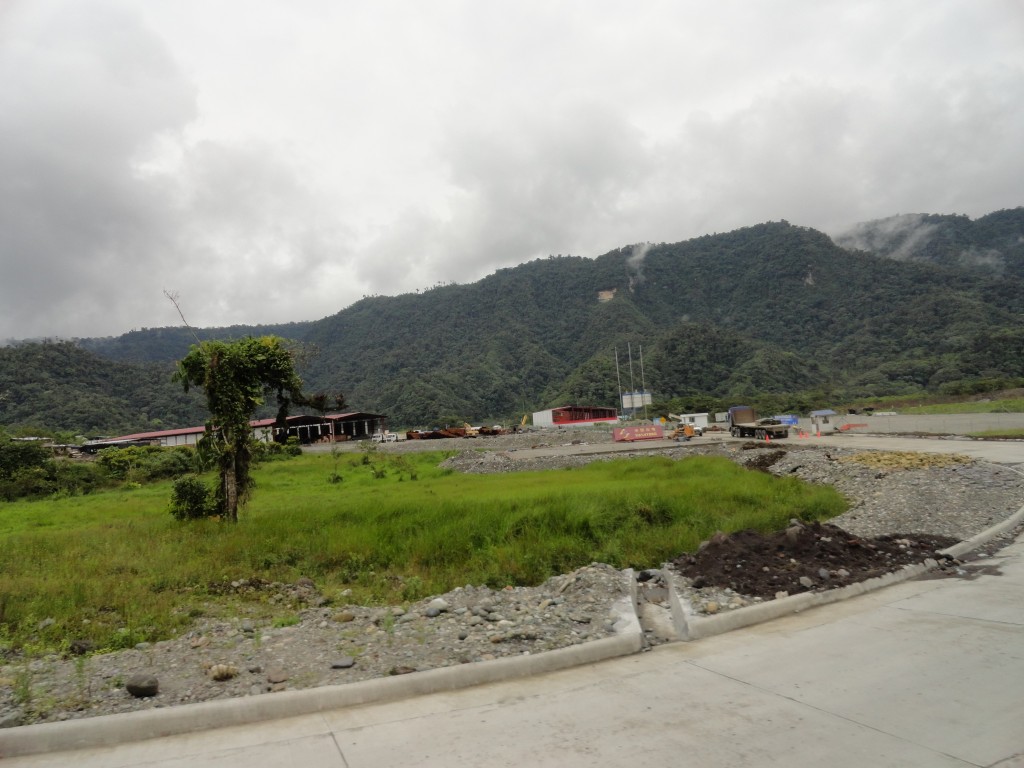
{"x":274,"y":162}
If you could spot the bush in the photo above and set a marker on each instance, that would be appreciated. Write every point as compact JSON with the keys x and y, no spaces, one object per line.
{"x":191,"y":499}
{"x":147,"y":462}
{"x":276,"y":451}
{"x":16,"y":455}
{"x":71,"y":478}
{"x":26,"y":481}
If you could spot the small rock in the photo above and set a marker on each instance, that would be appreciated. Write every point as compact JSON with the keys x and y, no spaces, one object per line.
{"x":780,"y":595}
{"x":438,"y":603}
{"x":142,"y":685}
{"x":276,"y":675}
{"x":11,"y":719}
{"x":931,"y":563}
{"x":343,"y":617}
{"x":401,"y":670}
{"x":345,"y":662}
{"x":806,"y":582}
{"x":711,"y":607}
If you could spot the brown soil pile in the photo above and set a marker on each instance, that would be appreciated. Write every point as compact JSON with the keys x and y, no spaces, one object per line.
{"x":803,"y":558}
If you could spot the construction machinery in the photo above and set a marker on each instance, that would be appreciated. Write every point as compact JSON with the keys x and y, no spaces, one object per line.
{"x":744,"y":422}
{"x":682,"y":422}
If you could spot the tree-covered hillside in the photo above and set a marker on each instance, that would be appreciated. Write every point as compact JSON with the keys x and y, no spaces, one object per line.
{"x":992,"y":244}
{"x":773,"y":308}
{"x":58,"y":385}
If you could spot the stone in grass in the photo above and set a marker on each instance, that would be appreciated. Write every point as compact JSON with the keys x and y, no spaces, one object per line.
{"x":345,"y":662}
{"x":142,"y":685}
{"x":80,"y":647}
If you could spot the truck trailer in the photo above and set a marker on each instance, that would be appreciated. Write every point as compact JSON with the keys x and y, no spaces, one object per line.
{"x":744,"y":422}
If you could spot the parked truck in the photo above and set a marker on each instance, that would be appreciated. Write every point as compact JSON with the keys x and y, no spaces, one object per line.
{"x":744,"y":422}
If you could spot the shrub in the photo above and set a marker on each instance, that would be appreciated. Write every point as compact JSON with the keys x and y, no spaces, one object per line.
{"x":276,"y":451}
{"x":147,"y":462}
{"x":191,"y":499}
{"x":71,"y":478}
{"x":170,"y":462}
{"x":16,"y":455}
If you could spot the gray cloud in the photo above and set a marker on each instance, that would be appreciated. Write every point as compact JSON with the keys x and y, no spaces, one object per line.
{"x":82,"y":98}
{"x":274,"y":163}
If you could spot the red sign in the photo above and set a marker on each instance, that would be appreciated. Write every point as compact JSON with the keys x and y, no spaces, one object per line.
{"x":632,"y":434}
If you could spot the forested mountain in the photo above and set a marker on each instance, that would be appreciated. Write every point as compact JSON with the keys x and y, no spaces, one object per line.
{"x":773,"y":308}
{"x":992,"y":244}
{"x":60,"y":386}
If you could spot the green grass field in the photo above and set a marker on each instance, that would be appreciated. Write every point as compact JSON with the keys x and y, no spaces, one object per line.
{"x":115,"y":568}
{"x":1006,"y":434}
{"x":988,"y":406}
{"x":933,"y":405}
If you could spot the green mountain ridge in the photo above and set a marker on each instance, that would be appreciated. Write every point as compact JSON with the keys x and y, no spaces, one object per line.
{"x":768,"y":309}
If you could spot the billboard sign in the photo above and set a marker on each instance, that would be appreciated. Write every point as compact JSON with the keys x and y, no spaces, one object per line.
{"x":632,"y":434}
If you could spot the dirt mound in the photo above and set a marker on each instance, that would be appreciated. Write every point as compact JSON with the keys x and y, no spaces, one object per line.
{"x":764,"y":461}
{"x":802,"y":558}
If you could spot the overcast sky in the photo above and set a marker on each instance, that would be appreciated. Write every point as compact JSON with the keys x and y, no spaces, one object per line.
{"x":275,"y":161}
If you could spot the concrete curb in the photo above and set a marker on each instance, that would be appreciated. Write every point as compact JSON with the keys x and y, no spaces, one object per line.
{"x":690,"y":626}
{"x":107,"y":730}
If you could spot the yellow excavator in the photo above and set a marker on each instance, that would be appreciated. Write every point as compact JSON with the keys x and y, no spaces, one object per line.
{"x":683,"y":430}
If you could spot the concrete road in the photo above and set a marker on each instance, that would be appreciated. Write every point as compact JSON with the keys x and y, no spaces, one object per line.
{"x":926,"y":673}
{"x":1009,"y":452}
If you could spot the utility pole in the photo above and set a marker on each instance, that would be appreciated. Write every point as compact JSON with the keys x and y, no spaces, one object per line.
{"x":643,"y":384}
{"x":618,"y":379}
{"x":632,"y":387}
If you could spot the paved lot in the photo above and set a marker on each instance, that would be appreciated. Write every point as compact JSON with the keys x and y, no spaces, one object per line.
{"x":1009,"y":452}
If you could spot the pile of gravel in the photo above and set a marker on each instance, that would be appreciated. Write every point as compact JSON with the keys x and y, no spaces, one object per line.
{"x":328,"y":645}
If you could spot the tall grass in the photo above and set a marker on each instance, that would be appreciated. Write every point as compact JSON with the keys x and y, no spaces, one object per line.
{"x":1009,"y":405}
{"x":115,"y":568}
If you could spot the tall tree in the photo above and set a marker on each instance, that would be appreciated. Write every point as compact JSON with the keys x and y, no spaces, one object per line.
{"x":236,"y":377}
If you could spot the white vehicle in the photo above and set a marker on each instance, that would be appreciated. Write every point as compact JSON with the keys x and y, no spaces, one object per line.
{"x":384,"y":437}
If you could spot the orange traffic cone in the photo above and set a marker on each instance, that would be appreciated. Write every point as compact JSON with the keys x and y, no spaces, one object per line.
{"x":767,"y":437}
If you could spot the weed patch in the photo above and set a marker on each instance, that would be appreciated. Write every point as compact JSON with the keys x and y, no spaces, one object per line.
{"x":113,"y":568}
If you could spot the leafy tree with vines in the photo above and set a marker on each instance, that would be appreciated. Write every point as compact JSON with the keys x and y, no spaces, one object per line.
{"x":236,"y":377}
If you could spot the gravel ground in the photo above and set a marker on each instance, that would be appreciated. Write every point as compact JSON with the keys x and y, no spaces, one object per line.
{"x":334,"y":644}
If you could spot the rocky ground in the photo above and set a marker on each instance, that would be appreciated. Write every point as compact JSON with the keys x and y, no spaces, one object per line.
{"x":903,"y":509}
